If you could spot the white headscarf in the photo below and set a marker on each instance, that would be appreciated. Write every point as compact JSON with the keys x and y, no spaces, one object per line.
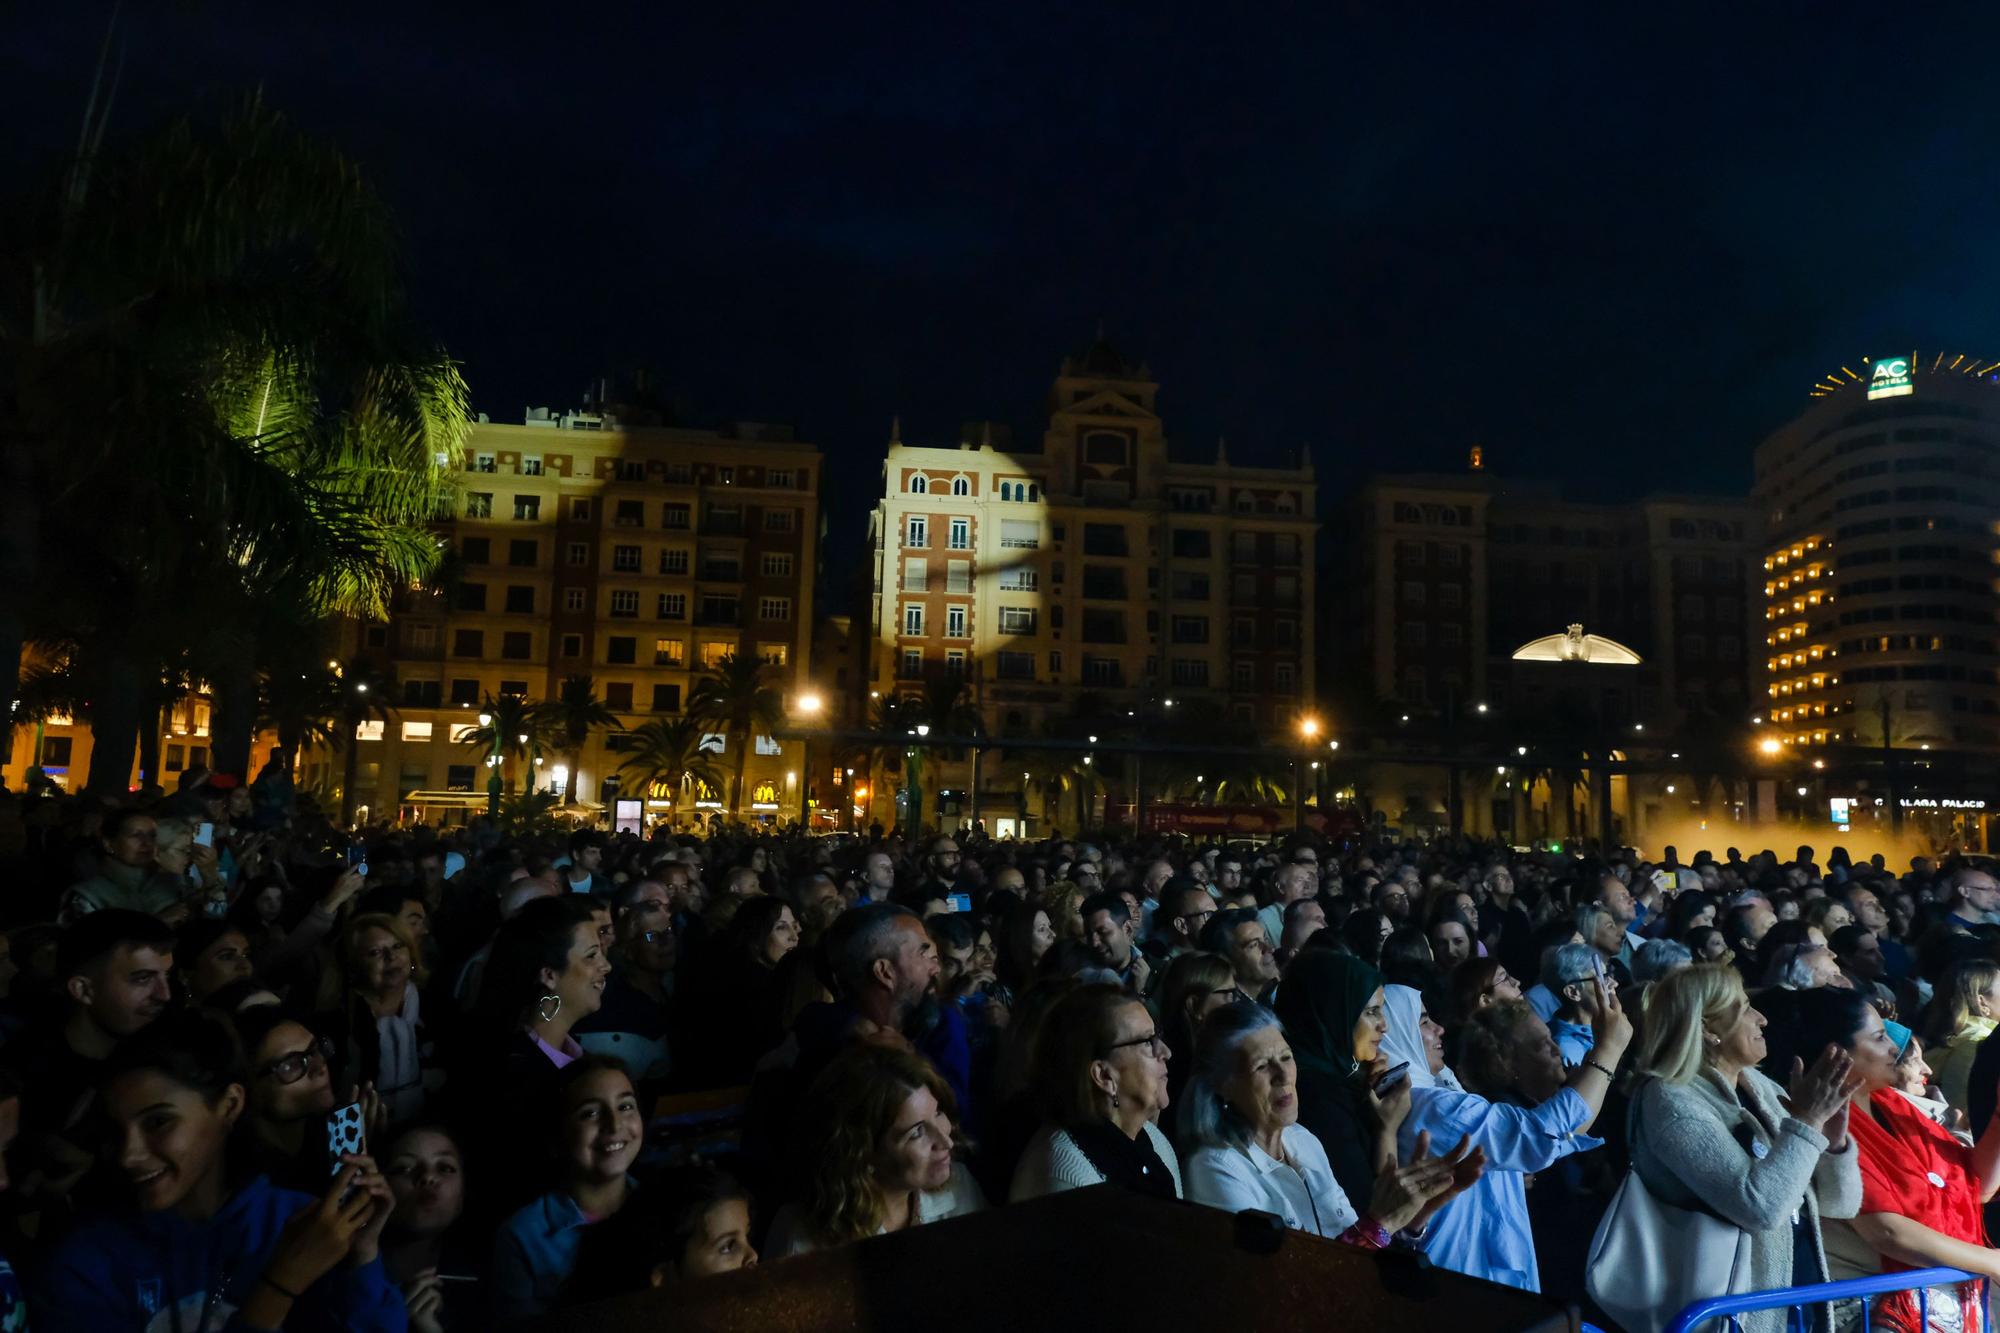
{"x":1405,"y":1041}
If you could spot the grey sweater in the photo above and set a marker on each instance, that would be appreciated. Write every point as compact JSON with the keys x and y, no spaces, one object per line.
{"x":1688,"y":1146}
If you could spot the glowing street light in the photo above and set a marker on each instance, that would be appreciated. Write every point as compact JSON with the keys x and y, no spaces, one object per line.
{"x":1770,"y":745}
{"x":486,"y":719}
{"x":923,"y":728}
{"x":1479,"y":708}
{"x":1309,"y":727}
{"x":810,"y":703}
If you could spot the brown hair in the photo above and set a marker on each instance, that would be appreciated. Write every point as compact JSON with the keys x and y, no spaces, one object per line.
{"x":1486,"y":1047}
{"x":1080,"y":1028}
{"x":851,"y":1105}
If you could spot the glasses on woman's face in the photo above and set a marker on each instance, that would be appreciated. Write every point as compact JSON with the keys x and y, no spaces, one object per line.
{"x":295,"y":1065}
{"x":1229,"y":994}
{"x":1150,"y":1044}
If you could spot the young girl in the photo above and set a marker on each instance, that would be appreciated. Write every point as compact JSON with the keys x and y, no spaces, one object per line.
{"x":694,"y":1221}
{"x":420,"y":1248}
{"x":210,"y":1243}
{"x":596,"y":1137}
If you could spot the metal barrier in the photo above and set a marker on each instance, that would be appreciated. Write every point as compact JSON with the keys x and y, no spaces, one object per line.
{"x":1918,"y":1280}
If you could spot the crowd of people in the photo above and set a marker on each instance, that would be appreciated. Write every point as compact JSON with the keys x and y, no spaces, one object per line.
{"x":260,"y":1072}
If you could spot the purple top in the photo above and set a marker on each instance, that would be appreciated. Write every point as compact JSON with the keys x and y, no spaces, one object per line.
{"x":570,"y":1050}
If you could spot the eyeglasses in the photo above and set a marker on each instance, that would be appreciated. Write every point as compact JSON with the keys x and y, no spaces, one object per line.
{"x":295,"y":1066}
{"x":1230,"y":994}
{"x":1196,"y":917}
{"x":1151,"y":1041}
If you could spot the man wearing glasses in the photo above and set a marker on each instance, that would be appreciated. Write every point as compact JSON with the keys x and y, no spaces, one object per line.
{"x":1185,"y":908}
{"x":631,"y":1023}
{"x":1239,"y":936}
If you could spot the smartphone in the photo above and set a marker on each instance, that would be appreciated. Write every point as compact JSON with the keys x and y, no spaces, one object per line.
{"x":357,"y":858}
{"x":1597,"y":966}
{"x":346,"y":1133}
{"x":959,"y":902}
{"x":1396,"y":1074}
{"x":205,"y":835}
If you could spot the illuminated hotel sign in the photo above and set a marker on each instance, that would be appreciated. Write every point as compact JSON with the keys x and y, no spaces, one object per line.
{"x":1890,"y":378}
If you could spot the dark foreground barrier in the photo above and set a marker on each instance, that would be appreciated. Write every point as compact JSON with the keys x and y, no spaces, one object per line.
{"x":1097,"y":1258}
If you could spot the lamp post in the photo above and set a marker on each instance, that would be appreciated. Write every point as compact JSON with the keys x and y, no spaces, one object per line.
{"x":1309,"y":729}
{"x":493,"y":768}
{"x":808,"y":705}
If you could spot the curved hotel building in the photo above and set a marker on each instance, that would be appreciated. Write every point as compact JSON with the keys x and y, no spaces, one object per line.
{"x":1881,"y":592}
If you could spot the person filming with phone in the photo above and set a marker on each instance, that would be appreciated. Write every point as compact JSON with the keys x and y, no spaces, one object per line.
{"x":1570,"y":971}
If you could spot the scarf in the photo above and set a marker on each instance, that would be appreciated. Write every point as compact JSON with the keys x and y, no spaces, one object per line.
{"x":1405,"y":1042}
{"x":1319,"y":1002}
{"x":399,"y":1075}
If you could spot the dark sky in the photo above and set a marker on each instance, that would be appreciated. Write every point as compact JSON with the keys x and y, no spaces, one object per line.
{"x":1609,"y":247}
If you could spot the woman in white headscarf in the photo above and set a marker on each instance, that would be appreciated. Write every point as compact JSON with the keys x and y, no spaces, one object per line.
{"x":1533,"y":1114}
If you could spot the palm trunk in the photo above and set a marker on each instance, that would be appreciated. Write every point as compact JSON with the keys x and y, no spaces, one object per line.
{"x":742,"y":761}
{"x":569,"y":779}
{"x":350,"y":772}
{"x":20,"y":545}
{"x":116,"y":714}
{"x":235,"y":718}
{"x":149,"y":747}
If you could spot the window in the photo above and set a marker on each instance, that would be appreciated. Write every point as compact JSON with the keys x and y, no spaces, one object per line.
{"x":775,"y":565}
{"x":961,"y":486}
{"x":1104,"y":539}
{"x":475,"y":550}
{"x":917,"y":533}
{"x":579,"y":511}
{"x":1449,"y":636}
{"x":666,"y":698}
{"x":483,"y":463}
{"x":472,"y":597}
{"x":1284,"y":677}
{"x":1104,"y":449}
{"x":1018,"y":580}
{"x":1285,"y":633}
{"x":423,"y":694}
{"x":1450,"y":596}
{"x":679,"y":474}
{"x":479,"y":504}
{"x":674,"y":516}
{"x":458,"y":777}
{"x":1105,"y":582}
{"x":621,"y":650}
{"x":713,"y":653}
{"x":958,"y":576}
{"x":913,"y":619}
{"x":1014,"y":666}
{"x":625,"y":559}
{"x":618,"y":696}
{"x":919,"y":484}
{"x":516,"y":645}
{"x":780,"y":520}
{"x":631,"y":469}
{"x":1102,"y":671}
{"x":1189,"y":671}
{"x":781,"y":478}
{"x":1243,"y":674}
{"x":954,"y":662}
{"x":1243,"y":587}
{"x":916,"y":574}
{"x":674,"y":560}
{"x":774,"y":608}
{"x":367,"y":731}
{"x":961,"y":534}
{"x":416,"y":731}
{"x":1055,"y":662}
{"x":625,"y":604}
{"x":1190,"y":629}
{"x":572,"y":645}
{"x":1242,"y":631}
{"x":1103,"y":627}
{"x":911,"y":667}
{"x":954,"y":622}
{"x":524,"y":554}
{"x":468,"y":643}
{"x":719,"y":608}
{"x":464,"y":691}
{"x":670,"y":652}
{"x":673,"y":606}
{"x":1020,"y":534}
{"x":1285,"y":589}
{"x":630,"y":514}
{"x":773,"y":654}
{"x":1190,"y":544}
{"x":577,"y":553}
{"x":1413,"y":634}
{"x":1413,"y":592}
{"x":527,"y":508}
{"x":1243,"y":546}
{"x":1017,"y":620}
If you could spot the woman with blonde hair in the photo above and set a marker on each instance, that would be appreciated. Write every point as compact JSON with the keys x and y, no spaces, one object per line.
{"x":1963,"y":1013}
{"x":375,"y":1013}
{"x":1064,"y":904}
{"x":883,"y":1133}
{"x":1710,"y":1133}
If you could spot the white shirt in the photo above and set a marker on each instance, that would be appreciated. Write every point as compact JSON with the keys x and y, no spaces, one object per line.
{"x":1304,"y":1194}
{"x":791,"y":1234}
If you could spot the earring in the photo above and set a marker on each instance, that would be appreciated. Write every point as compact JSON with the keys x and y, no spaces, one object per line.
{"x":1114,"y":1101}
{"x":548,"y":1008}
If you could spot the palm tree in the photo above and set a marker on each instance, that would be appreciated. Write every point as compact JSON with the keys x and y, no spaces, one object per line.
{"x":202,"y":331}
{"x":571,"y":716}
{"x":670,"y":754}
{"x":513,"y":728}
{"x":300,"y":702}
{"x":944,"y":711}
{"x":364,"y":697}
{"x":733,"y":695}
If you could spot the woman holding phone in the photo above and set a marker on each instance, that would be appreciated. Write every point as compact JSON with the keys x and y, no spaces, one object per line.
{"x":210,"y":1240}
{"x":1335,"y":1012}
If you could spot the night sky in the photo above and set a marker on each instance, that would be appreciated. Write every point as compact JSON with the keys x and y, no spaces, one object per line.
{"x":1611,"y":253}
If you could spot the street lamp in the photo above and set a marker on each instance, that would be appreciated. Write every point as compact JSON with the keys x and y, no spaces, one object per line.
{"x":809,"y":705}
{"x":1770,"y":745}
{"x":493,"y":767}
{"x":1309,"y":727}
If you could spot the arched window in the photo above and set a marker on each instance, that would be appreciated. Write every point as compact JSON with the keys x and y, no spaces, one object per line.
{"x":1245,"y":501}
{"x":1285,"y":502}
{"x":920,"y":484}
{"x":1034,"y":492}
{"x":960,"y":486}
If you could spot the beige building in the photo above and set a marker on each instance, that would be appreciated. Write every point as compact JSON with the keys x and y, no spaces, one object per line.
{"x":1093,"y":565}
{"x":636,"y":555}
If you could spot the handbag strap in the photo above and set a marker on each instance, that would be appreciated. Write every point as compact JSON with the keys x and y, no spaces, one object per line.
{"x":1669,"y":1190}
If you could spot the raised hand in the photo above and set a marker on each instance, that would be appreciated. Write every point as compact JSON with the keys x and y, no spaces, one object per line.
{"x":1819,"y":1092}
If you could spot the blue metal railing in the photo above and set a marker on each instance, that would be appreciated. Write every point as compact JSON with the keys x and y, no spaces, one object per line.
{"x":1918,"y":1280}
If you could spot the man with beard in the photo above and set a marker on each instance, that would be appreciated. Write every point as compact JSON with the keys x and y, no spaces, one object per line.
{"x":885,"y":971}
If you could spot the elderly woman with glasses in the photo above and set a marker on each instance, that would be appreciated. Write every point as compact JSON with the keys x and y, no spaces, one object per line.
{"x":1249,"y":1150}
{"x":1103,"y":1083}
{"x":290,"y":1095}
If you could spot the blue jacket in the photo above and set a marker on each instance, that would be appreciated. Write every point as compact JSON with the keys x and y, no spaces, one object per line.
{"x":534,"y":1254}
{"x":128,"y":1270}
